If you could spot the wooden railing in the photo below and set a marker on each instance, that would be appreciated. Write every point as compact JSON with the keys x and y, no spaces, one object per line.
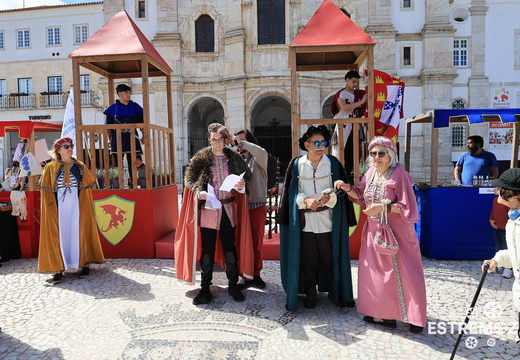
{"x":157,"y":155}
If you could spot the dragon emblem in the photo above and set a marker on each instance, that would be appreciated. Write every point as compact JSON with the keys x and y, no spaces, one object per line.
{"x":116,"y":216}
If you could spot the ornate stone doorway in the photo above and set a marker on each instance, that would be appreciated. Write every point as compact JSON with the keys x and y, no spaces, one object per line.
{"x":204,"y":112}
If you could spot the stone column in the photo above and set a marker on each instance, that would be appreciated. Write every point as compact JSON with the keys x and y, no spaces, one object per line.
{"x":437,"y":77}
{"x":381,"y":29}
{"x":478,"y":84}
{"x":112,"y":7}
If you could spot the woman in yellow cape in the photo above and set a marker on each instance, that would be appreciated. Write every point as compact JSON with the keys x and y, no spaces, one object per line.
{"x":68,"y":233}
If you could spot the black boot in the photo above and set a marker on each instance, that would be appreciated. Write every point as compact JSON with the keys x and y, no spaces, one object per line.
{"x":206,"y":265}
{"x":232,"y":274}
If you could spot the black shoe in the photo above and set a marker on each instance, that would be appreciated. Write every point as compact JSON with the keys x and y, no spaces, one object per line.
{"x":388,"y":323}
{"x":258,"y":282}
{"x":203,"y":297}
{"x":85,"y":271}
{"x":416,"y":329}
{"x":245,"y":284}
{"x":57,"y":278}
{"x":236,"y":294}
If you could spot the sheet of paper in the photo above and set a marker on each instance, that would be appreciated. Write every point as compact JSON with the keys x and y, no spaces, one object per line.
{"x":212,"y":202}
{"x":230,"y":181}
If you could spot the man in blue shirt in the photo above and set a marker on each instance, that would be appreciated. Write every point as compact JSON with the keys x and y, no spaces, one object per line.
{"x":476,"y":161}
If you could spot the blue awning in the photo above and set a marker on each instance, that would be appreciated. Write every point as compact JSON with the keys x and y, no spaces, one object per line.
{"x":442,"y":117}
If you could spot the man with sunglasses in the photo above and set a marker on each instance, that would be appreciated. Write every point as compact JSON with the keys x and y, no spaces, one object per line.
{"x":476,"y":161}
{"x":314,"y":249}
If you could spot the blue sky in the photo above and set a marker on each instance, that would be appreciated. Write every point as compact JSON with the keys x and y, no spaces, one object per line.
{"x":17,"y":4}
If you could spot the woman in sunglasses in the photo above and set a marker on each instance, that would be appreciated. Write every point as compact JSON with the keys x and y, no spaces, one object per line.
{"x":68,"y":232}
{"x":314,"y":246}
{"x":390,"y":287}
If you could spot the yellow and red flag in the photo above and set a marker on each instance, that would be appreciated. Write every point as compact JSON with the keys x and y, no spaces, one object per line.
{"x":388,"y":104}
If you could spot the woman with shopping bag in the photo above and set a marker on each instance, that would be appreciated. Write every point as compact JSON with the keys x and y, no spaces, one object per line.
{"x":391,"y":279}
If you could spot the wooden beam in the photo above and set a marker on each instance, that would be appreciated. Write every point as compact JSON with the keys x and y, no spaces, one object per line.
{"x":407,"y":145}
{"x":514,"y":150}
{"x":294,"y":103}
{"x":324,"y":67}
{"x":434,"y":153}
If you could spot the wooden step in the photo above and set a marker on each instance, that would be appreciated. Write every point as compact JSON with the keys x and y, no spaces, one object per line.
{"x":164,"y":248}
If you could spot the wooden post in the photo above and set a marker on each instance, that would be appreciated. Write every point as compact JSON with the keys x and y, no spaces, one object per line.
{"x":407,"y":145}
{"x":295,"y":118}
{"x":514,"y":150}
{"x":171,"y":137}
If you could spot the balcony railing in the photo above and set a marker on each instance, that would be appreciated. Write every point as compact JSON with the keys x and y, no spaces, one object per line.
{"x":18,"y":101}
{"x":53,"y":99}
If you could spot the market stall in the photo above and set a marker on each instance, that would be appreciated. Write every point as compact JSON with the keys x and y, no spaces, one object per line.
{"x":454,"y":220}
{"x":28,"y":230}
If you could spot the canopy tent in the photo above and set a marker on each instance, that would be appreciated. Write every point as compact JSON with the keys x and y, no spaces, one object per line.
{"x":26,"y":130}
{"x":331,"y":41}
{"x":441,"y":118}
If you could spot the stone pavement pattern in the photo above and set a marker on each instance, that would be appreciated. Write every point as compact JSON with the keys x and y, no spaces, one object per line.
{"x":136,"y":309}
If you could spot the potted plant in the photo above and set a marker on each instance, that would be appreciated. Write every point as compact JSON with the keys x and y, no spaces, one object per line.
{"x":100,"y":175}
{"x":114,"y":177}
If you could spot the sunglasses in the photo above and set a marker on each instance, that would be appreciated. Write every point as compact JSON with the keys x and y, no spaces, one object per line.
{"x":68,"y":146}
{"x":318,"y":143}
{"x":378,"y":153}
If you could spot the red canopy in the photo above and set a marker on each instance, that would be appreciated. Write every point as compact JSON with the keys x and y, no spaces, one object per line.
{"x":26,"y":127}
{"x":331,"y":26}
{"x":119,"y":38}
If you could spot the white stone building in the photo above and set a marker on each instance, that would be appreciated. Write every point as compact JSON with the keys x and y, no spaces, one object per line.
{"x":230,"y":62}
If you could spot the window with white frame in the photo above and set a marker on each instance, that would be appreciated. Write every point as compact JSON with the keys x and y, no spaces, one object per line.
{"x":55,"y":83}
{"x":25,"y":86}
{"x":458,"y":136}
{"x":80,"y":34}
{"x":53,"y":36}
{"x":2,"y":43}
{"x":84,"y":82}
{"x":460,"y":52}
{"x":407,"y":58}
{"x":3,"y":87}
{"x":141,"y":9}
{"x":406,"y":4}
{"x":23,"y":38}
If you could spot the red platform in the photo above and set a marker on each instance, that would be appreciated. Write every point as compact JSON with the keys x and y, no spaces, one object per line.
{"x":155,"y":217}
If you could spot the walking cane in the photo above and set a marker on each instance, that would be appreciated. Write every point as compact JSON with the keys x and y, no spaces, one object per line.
{"x":477,"y":293}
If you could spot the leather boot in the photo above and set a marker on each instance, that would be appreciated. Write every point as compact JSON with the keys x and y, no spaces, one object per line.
{"x":206,"y":265}
{"x":230,"y":258}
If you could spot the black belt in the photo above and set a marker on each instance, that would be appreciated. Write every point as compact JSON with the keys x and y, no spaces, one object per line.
{"x":228,"y":200}
{"x":321,"y":208}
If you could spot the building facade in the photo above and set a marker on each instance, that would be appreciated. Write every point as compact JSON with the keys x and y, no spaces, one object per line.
{"x":230,"y":63}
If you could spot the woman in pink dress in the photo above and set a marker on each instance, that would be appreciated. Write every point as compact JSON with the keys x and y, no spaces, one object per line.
{"x":390,"y":287}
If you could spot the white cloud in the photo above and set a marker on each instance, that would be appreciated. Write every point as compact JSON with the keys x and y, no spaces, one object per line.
{"x":18,"y":4}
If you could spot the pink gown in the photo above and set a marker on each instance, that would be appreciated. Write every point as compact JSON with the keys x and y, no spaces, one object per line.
{"x":391,"y":287}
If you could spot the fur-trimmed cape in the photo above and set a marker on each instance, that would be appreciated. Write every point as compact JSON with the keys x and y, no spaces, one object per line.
{"x":188,"y":248}
{"x":198,"y":173}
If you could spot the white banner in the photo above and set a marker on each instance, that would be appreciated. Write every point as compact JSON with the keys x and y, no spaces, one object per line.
{"x":69,"y":122}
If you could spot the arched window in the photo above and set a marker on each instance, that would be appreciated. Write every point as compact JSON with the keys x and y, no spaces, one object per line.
{"x":204,"y":34}
{"x":204,"y":112}
{"x":271,"y":22}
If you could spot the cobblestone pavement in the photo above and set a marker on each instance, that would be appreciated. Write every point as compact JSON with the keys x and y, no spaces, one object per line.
{"x":136,"y":309}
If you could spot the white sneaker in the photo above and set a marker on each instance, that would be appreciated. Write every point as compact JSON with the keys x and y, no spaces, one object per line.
{"x":508,"y":273}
